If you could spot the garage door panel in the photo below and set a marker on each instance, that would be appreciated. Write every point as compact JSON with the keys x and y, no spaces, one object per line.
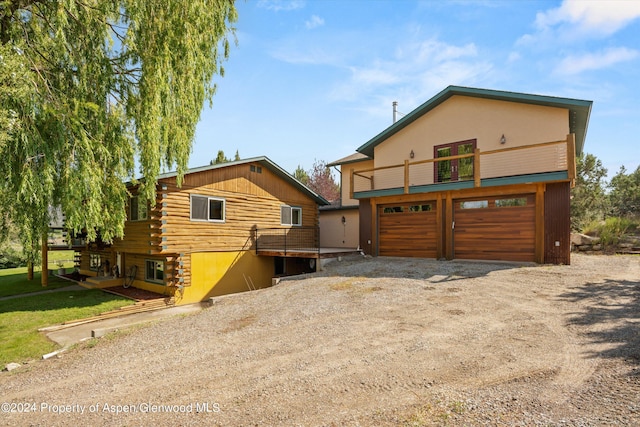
{"x":406,"y":233}
{"x":492,"y":232}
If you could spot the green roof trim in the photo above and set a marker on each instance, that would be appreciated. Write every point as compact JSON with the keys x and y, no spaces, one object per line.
{"x":264,"y":161}
{"x":579,"y":112}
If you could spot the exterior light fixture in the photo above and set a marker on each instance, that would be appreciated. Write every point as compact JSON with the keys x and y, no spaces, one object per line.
{"x":503,"y":140}
{"x":412,"y":154}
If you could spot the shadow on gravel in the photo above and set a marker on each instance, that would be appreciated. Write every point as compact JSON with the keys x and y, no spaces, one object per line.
{"x":613,"y":310}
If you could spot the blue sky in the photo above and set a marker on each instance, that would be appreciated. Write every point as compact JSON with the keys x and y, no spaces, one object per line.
{"x":313,"y":80}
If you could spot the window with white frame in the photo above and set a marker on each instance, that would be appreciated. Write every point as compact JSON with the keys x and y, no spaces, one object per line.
{"x":205,"y":208}
{"x":154,"y":271}
{"x":290,"y":215}
{"x":137,"y":209}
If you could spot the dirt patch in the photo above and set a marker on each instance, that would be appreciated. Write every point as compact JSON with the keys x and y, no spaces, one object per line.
{"x":371,"y":342}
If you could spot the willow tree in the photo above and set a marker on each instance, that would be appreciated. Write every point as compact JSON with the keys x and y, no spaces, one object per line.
{"x":95,"y":92}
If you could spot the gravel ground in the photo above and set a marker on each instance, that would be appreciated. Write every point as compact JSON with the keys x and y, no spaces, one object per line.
{"x":367,"y":342}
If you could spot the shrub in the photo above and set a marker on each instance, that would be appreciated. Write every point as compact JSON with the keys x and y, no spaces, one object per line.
{"x":612,"y":230}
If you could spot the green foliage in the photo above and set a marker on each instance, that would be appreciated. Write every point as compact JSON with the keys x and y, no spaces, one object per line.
{"x":612,"y":230}
{"x":221,"y":158}
{"x":11,"y":258}
{"x":86,"y":89}
{"x":625,"y":193}
{"x":301,"y":175}
{"x":588,"y":199}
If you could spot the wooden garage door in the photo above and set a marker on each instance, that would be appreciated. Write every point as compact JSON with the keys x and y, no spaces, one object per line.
{"x":495,"y":228}
{"x":407,"y":230}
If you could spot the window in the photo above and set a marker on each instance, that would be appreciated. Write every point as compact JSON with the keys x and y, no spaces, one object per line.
{"x":454,"y":169}
{"x":516,"y":201}
{"x":94,"y":262}
{"x":154,"y":271}
{"x":419,"y":208}
{"x":476,"y":204}
{"x":137,"y":209}
{"x":205,"y":208}
{"x":393,"y":209}
{"x":290,"y":215}
{"x":254,"y":168}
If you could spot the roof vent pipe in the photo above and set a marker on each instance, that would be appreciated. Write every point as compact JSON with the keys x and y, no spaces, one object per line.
{"x":395,"y":111}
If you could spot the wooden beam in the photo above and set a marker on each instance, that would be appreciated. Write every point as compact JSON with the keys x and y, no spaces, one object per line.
{"x":406,"y":177}
{"x":571,"y":158}
{"x":351,"y":183}
{"x":476,"y":168}
{"x":539,"y":244}
{"x":440,"y":250}
{"x":448,"y":226}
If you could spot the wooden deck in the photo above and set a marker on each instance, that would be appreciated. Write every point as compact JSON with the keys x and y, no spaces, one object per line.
{"x":318,"y":253}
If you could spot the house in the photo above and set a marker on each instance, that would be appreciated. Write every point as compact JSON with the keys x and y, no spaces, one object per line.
{"x":470,"y":174}
{"x":228,"y":228}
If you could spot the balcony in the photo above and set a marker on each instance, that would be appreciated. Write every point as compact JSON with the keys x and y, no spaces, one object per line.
{"x":532,"y":163}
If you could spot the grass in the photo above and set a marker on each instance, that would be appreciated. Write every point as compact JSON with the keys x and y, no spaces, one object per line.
{"x":20,"y":319}
{"x":13,"y":281}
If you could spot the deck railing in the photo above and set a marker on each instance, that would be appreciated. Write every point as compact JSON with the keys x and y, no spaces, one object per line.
{"x":551,"y":156}
{"x":289,"y":239}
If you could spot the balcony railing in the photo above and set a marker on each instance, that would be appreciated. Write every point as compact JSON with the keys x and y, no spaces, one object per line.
{"x":552,"y":156}
{"x":288,"y":240}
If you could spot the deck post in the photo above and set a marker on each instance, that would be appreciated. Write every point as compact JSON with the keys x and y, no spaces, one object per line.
{"x":476,"y":168}
{"x":406,"y":177}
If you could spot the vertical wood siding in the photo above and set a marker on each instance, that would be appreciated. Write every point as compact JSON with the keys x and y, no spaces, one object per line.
{"x":557,"y":224}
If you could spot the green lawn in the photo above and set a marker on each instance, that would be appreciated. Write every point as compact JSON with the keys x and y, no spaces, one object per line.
{"x":21,"y":317}
{"x":13,"y":281}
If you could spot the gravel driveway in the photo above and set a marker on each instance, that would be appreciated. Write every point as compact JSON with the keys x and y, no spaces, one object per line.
{"x":368,"y":342}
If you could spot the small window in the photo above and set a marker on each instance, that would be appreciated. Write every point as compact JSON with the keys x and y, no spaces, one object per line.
{"x":205,"y":208}
{"x":254,"y":168}
{"x":154,"y":271}
{"x":138,"y":209}
{"x":393,"y":209}
{"x":516,"y":201}
{"x":290,"y":215}
{"x":94,"y":262}
{"x":476,"y":204}
{"x":419,"y":208}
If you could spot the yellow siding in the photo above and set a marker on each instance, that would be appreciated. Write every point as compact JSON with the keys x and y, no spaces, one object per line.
{"x":221,"y":273}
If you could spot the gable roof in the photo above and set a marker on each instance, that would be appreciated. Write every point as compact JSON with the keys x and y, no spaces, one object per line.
{"x":352,"y":158}
{"x":579,"y":112}
{"x":263,"y":161}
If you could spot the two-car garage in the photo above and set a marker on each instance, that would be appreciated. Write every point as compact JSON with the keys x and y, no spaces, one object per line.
{"x":489,"y":228}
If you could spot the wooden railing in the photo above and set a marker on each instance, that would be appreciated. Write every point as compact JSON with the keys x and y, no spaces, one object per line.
{"x":551,"y":156}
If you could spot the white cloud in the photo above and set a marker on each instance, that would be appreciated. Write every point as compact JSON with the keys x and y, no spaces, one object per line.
{"x":413,"y":74}
{"x":314,"y":22}
{"x":589,"y":17}
{"x":575,"y":64}
{"x":278,"y":5}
